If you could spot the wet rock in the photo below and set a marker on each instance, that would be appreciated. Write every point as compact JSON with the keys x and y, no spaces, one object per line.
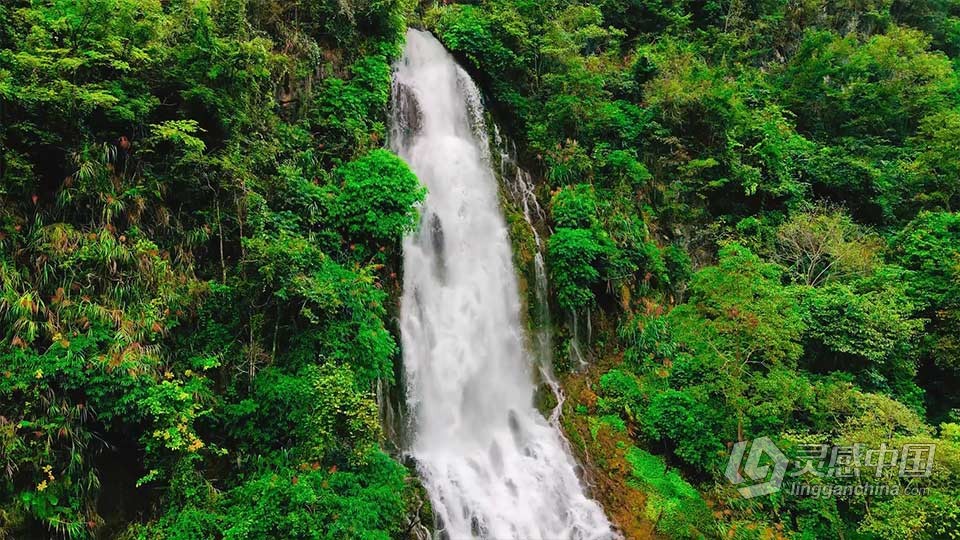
{"x":436,"y":240}
{"x":407,"y":114}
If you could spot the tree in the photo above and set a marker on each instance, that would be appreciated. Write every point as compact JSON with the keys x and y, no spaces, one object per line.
{"x":574,"y":207}
{"x":880,"y":87}
{"x":738,"y":318}
{"x":823,"y":244}
{"x":739,"y":311}
{"x":377,"y":196}
{"x":938,"y":161}
{"x":679,"y":419}
{"x":175,"y":277}
{"x":928,"y":249}
{"x":866,"y":330}
{"x":576,"y":259}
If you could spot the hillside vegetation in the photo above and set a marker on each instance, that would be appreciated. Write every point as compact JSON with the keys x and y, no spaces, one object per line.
{"x":754,"y":223}
{"x":198,"y":229}
{"x":755,"y":203}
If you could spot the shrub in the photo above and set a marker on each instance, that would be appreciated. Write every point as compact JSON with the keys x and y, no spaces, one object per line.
{"x":377,"y":197}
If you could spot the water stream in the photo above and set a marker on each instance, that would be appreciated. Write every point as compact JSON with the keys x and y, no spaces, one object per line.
{"x":493,"y":466}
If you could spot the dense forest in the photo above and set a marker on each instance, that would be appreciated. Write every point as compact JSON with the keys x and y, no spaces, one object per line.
{"x":751,"y":230}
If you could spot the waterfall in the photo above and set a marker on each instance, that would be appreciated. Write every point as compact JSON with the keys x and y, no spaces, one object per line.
{"x":521,"y":189}
{"x":493,"y":466}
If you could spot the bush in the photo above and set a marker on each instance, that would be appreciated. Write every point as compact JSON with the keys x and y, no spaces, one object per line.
{"x":674,"y":505}
{"x":678,"y":419}
{"x":377,"y":197}
{"x":576,"y":258}
{"x":620,"y":394}
{"x":574,"y":207}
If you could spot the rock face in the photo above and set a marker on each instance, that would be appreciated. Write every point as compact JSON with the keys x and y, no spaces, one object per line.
{"x":407,"y":115}
{"x":436,"y":241}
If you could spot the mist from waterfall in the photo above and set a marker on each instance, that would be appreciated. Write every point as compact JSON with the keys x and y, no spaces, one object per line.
{"x":493,"y":466}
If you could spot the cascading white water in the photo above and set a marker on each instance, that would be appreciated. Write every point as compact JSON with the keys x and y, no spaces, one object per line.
{"x":494,"y":468}
{"x":521,"y":188}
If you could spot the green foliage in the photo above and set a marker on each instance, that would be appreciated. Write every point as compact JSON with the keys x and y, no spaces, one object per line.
{"x":620,"y":394}
{"x":317,"y":414}
{"x":345,"y":116}
{"x":673,"y":505}
{"x":880,"y":88}
{"x":574,"y":207}
{"x":757,"y":196}
{"x":194,"y":226}
{"x":679,"y":420}
{"x":377,"y":197}
{"x":864,"y":331}
{"x":199,"y":239}
{"x":823,"y":245}
{"x":929,"y":251}
{"x":893,"y":518}
{"x":739,"y":312}
{"x":311,"y":503}
{"x":936,"y":162}
{"x":648,"y":341}
{"x":343,"y":308}
{"x":576,"y":258}
{"x":678,"y":265}
{"x":286,"y":502}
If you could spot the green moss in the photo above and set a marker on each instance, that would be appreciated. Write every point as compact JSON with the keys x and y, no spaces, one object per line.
{"x":674,"y":505}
